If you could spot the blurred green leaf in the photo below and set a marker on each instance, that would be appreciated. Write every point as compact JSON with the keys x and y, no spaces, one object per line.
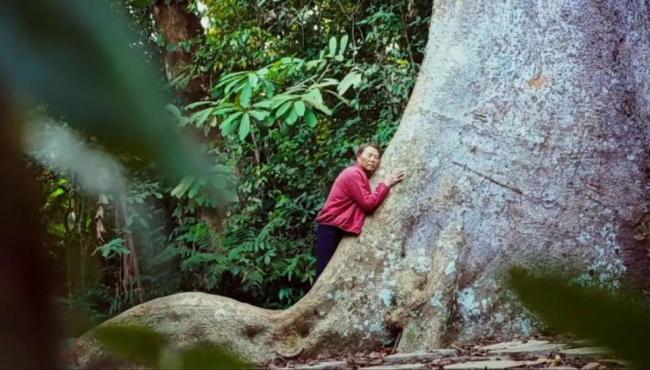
{"x":133,"y":343}
{"x":76,"y":56}
{"x":207,"y":357}
{"x":610,"y":321}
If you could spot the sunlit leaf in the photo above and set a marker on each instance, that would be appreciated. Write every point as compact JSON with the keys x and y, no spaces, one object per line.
{"x":332,"y":46}
{"x":299,"y":106}
{"x":198,"y":104}
{"x":229,"y":124}
{"x":244,"y":126}
{"x":245,"y":97}
{"x":283,"y":109}
{"x":226,"y":108}
{"x":279,"y":100}
{"x":310,"y":118}
{"x":344,"y":44}
{"x":258,"y":114}
{"x":252,"y":80}
{"x":183,"y":186}
{"x":291,"y":118}
{"x":315,"y":99}
{"x":352,"y":78}
{"x":201,"y":116}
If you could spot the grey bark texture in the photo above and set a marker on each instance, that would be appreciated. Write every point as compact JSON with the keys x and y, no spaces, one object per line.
{"x":525,"y":142}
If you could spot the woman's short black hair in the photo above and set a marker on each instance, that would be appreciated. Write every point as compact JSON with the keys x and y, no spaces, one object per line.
{"x":363,"y":147}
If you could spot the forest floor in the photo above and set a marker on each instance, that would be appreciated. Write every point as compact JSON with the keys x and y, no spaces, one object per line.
{"x":533,"y":353}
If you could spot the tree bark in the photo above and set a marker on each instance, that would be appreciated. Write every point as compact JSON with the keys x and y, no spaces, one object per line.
{"x":525,"y":143}
{"x":177,"y":25}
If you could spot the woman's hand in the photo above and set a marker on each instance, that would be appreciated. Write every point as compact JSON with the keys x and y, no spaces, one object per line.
{"x":395,"y":177}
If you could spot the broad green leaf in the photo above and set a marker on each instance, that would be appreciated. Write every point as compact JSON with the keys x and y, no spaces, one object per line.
{"x":310,"y":118}
{"x":174,"y":111}
{"x":352,"y":78}
{"x":201,"y":116}
{"x":332,"y":46}
{"x":283,"y":109}
{"x":231,"y":86}
{"x":252,"y":80}
{"x":291,"y":117}
{"x":343,"y":45}
{"x":258,"y":114}
{"x":279,"y":100}
{"x":115,"y":247}
{"x":244,"y":126}
{"x":315,"y":99}
{"x":194,"y":189}
{"x":226,"y":108}
{"x":245,"y":97}
{"x":183,"y":186}
{"x":237,"y":76}
{"x":299,"y":106}
{"x":229,"y":124}
{"x":205,"y":357}
{"x":338,"y":58}
{"x":609,"y":321}
{"x":265,"y":104}
{"x":134,"y":343}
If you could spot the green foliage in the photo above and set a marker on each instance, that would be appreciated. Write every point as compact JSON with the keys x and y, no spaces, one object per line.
{"x":115,"y":247}
{"x":592,"y":313}
{"x":293,"y":89}
{"x":110,"y":93}
{"x":143,"y":346}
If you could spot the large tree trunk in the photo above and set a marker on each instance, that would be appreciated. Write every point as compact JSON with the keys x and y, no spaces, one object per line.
{"x":179,"y":25}
{"x":525,"y":140}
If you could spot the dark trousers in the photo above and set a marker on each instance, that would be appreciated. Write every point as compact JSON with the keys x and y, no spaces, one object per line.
{"x":327,"y":239}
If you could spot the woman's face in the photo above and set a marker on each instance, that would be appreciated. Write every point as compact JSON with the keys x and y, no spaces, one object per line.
{"x":369,"y":159}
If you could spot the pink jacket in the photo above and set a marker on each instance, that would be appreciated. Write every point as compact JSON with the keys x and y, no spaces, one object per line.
{"x":350,"y":200}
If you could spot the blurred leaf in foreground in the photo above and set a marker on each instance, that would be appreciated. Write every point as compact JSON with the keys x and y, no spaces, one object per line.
{"x":591,"y":313}
{"x":143,"y":346}
{"x":77,"y":57}
{"x":133,"y":343}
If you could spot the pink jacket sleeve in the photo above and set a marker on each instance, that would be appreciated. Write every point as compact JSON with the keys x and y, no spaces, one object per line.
{"x":357,"y":187}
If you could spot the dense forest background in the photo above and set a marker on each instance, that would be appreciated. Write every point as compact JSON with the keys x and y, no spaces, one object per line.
{"x":279,"y":93}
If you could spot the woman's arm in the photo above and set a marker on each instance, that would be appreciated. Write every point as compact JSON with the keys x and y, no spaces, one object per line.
{"x":357,"y":187}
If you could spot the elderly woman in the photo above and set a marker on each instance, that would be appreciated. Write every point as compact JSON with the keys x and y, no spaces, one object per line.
{"x":349,"y":201}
